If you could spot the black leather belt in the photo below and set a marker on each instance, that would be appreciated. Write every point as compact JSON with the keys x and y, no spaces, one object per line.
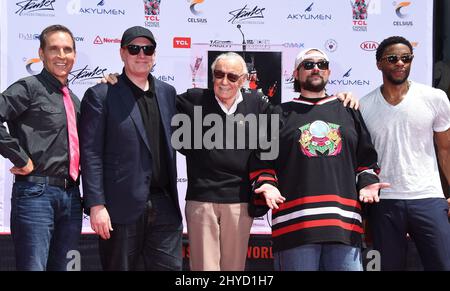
{"x":52,"y":181}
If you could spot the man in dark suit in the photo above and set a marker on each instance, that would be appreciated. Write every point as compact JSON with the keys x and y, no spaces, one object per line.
{"x":129,"y":166}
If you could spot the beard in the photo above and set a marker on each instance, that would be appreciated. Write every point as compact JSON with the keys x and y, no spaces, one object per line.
{"x":313,"y":87}
{"x":398,"y":81}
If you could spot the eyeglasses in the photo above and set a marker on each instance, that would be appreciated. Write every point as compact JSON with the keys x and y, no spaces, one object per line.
{"x":308,"y":65}
{"x":134,"y":49}
{"x":230,"y":76}
{"x":393,"y":59}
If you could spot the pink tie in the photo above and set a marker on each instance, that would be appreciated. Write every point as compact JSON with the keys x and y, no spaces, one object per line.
{"x":73,"y":135}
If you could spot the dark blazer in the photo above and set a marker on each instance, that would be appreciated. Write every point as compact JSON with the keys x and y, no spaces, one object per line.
{"x":116,"y":161}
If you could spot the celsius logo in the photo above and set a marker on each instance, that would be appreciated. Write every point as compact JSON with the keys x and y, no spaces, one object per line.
{"x":31,"y":62}
{"x":29,"y":6}
{"x":193,"y":4}
{"x":181,"y":42}
{"x":369,"y":45}
{"x":399,"y":8}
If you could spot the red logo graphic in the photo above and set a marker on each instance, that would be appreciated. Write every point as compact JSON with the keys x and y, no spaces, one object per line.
{"x":369,"y":45}
{"x":182,"y":42}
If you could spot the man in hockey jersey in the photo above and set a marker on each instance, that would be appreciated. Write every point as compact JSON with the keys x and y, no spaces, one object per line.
{"x":324,"y":149}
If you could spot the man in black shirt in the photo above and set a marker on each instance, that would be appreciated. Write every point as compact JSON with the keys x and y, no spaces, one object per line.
{"x":129,"y":170}
{"x":42,"y":143}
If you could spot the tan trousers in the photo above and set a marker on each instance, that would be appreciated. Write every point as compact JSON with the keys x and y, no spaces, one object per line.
{"x":218,"y":235}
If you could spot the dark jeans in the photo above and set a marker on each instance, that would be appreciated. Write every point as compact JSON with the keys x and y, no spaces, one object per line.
{"x":425,"y":220}
{"x":45,"y":225}
{"x":158,"y":240}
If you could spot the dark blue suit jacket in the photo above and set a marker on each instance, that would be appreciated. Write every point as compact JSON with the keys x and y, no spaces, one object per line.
{"x":116,"y":161}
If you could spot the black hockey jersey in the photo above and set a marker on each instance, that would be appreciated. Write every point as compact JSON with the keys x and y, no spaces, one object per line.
{"x":326,"y":156}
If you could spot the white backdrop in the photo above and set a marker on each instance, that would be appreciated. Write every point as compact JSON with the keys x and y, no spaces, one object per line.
{"x":187,"y":29}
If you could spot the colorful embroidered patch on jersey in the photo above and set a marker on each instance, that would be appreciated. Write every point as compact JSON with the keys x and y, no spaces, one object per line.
{"x":320,"y":139}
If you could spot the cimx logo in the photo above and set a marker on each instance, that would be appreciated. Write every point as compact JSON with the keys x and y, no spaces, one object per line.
{"x":29,"y":64}
{"x":399,"y":9}
{"x":29,"y":6}
{"x":369,"y":45}
{"x":181,"y":42}
{"x":193,"y":5}
{"x":294,"y":45}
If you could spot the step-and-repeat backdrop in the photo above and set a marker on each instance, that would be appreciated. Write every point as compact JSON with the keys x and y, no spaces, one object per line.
{"x":190,"y":33}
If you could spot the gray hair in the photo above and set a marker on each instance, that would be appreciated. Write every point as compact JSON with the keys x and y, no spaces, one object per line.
{"x":227,"y":56}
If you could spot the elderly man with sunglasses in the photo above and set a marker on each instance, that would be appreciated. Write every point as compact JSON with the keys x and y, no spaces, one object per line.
{"x":217,"y":214}
{"x":403,"y":117}
{"x":129,"y":166}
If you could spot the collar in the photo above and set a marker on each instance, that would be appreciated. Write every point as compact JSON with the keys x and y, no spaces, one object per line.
{"x":55,"y":83}
{"x":314,"y":101}
{"x":233,"y":107}
{"x":138,"y":91}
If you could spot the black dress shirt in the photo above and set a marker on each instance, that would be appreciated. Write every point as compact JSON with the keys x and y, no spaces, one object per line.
{"x":33,"y":108}
{"x":148,"y":106}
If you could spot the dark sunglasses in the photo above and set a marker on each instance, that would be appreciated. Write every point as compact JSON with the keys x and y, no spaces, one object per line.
{"x":230,"y":76}
{"x":393,"y":59}
{"x":134,"y":49}
{"x":308,"y":65}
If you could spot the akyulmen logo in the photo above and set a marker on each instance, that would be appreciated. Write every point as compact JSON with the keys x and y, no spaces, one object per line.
{"x":86,"y":75}
{"x":309,"y":15}
{"x":360,"y":14}
{"x":151,"y":12}
{"x":194,"y":10}
{"x":347,"y":80}
{"x":247,"y":15}
{"x":369,"y":45}
{"x":36,"y":8}
{"x":400,"y":11}
{"x":74,"y":7}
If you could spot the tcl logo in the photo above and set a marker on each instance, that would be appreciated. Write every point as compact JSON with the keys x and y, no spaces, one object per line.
{"x":182,"y":42}
{"x":369,"y":45}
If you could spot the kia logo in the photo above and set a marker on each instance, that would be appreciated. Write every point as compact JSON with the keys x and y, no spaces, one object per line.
{"x":369,"y":45}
